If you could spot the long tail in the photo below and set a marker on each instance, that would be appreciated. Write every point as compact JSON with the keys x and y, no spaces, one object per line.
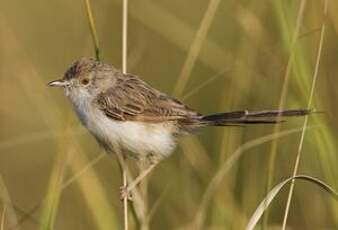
{"x":257,"y":117}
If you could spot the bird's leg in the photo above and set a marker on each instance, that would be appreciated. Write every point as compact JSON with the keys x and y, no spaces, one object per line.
{"x":125,"y":190}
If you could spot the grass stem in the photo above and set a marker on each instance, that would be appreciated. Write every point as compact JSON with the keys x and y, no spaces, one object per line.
{"x":93,"y":30}
{"x":195,"y":47}
{"x":124,"y":70}
{"x":274,"y":146}
{"x":3,"y":218}
{"x":300,"y":146}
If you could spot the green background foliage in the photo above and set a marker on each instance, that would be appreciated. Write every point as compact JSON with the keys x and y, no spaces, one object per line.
{"x":241,"y":64}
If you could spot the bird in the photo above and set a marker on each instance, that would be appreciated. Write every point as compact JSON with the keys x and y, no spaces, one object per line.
{"x":121,"y":110}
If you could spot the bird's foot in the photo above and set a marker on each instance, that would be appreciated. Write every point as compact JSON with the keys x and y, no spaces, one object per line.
{"x":125,"y":193}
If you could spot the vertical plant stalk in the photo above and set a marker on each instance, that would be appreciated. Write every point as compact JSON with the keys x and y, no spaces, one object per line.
{"x":224,"y":168}
{"x":300,"y":146}
{"x":125,"y":200}
{"x":52,"y":200}
{"x":138,"y":204}
{"x":124,"y":35}
{"x":196,"y":47}
{"x":9,"y":210}
{"x":124,"y":60}
{"x":93,"y":30}
{"x":124,"y":70}
{"x":3,"y":217}
{"x":285,"y":88}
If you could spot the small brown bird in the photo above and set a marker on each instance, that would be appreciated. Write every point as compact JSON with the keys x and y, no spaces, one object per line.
{"x":122,"y":110}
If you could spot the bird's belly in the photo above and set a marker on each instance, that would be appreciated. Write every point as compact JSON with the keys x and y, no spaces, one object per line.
{"x":137,"y":137}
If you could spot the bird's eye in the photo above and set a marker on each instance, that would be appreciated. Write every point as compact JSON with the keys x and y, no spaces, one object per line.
{"x":85,"y":81}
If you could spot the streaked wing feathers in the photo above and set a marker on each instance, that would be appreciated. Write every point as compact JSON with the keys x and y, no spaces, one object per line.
{"x":131,"y":99}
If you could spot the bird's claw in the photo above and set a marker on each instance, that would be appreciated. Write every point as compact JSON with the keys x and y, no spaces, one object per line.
{"x":125,"y":193}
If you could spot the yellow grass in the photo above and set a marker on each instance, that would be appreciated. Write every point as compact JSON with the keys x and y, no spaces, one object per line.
{"x":236,"y":56}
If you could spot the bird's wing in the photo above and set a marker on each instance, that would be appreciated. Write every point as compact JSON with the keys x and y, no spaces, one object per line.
{"x":131,"y":99}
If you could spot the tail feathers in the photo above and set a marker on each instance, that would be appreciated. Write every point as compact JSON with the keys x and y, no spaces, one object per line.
{"x":257,"y":117}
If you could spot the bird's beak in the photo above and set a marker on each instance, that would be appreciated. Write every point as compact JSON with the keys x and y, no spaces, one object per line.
{"x":58,"y":83}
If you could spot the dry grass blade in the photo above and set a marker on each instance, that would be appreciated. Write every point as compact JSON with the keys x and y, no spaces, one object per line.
{"x":27,"y":215}
{"x":12,"y":219}
{"x":38,"y":136}
{"x":282,"y":100}
{"x":124,"y":70}
{"x":93,"y":29}
{"x":157,"y":203}
{"x":252,"y":41}
{"x":52,"y":200}
{"x":94,"y":195}
{"x":3,"y":218}
{"x":217,"y":179}
{"x":124,"y":35}
{"x":169,"y":26}
{"x":138,"y":203}
{"x":204,"y":84}
{"x":90,"y":186}
{"x":300,"y":146}
{"x":273,"y":192}
{"x":82,"y":171}
{"x":196,"y":46}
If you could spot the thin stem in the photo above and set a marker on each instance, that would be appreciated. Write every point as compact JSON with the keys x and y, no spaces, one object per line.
{"x":124,"y":70}
{"x":125,"y":200}
{"x":3,"y":216}
{"x":93,"y":30}
{"x":6,"y":201}
{"x":216,"y":180}
{"x":143,"y":174}
{"x":124,"y":35}
{"x":195,"y":47}
{"x":285,"y":88}
{"x":138,"y":203}
{"x":204,"y":84}
{"x":81,"y":172}
{"x":300,"y":147}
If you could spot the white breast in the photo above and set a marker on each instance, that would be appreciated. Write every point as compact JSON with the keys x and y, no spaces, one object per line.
{"x":137,"y":137}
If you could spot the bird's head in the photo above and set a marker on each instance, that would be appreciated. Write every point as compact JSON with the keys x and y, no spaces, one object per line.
{"x":86,"y":77}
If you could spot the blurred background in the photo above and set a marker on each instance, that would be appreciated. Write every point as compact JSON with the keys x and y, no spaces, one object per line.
{"x":213,"y":55}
